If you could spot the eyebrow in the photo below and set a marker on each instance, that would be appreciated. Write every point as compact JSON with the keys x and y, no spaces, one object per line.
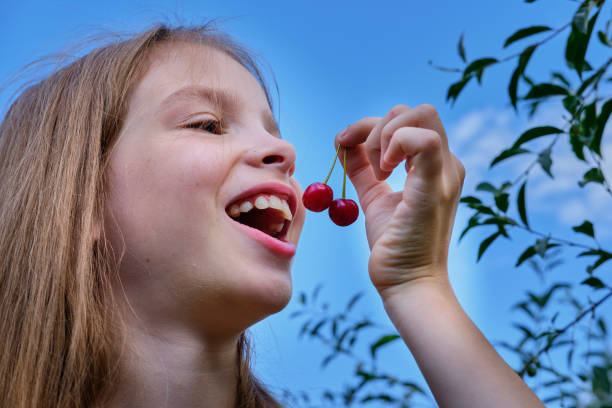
{"x":220,"y":99}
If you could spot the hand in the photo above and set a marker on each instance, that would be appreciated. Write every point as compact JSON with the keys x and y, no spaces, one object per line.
{"x":408,"y":231}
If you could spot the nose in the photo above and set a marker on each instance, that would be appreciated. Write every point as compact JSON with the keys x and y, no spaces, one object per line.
{"x":276,"y":154}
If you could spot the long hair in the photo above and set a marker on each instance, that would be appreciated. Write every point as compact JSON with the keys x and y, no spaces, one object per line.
{"x":58,"y":331}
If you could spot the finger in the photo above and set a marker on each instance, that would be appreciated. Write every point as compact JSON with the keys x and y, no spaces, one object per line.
{"x":357,"y":133}
{"x":423,"y":116}
{"x":374,"y":145}
{"x":423,"y":147}
{"x":358,"y":166}
{"x":384,"y":131}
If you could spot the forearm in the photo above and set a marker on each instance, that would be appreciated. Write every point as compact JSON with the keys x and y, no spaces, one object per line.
{"x":460,"y":366}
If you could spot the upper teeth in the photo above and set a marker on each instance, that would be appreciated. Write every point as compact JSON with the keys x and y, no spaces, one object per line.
{"x":261,"y":202}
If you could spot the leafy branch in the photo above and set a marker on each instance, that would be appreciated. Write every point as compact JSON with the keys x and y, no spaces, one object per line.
{"x":552,"y":336}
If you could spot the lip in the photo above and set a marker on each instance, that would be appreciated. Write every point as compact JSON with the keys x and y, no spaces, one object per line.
{"x":274,"y":188}
{"x":283,"y":248}
{"x":280,"y":247}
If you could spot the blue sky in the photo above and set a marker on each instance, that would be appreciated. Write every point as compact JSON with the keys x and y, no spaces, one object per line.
{"x":336,"y":62}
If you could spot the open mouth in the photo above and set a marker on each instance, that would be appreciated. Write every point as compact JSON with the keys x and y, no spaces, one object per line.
{"x":268,"y":213}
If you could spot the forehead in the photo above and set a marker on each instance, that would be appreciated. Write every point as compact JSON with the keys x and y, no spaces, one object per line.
{"x":184,"y":65}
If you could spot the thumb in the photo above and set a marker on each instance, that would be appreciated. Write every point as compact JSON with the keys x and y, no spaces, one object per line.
{"x":358,"y":166}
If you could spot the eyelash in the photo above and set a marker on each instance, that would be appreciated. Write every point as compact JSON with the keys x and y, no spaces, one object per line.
{"x":203,"y":125}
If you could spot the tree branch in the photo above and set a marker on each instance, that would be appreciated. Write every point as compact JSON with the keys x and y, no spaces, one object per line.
{"x":559,"y":332}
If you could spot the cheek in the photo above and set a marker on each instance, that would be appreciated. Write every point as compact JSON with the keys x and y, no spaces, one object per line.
{"x":158,"y":193}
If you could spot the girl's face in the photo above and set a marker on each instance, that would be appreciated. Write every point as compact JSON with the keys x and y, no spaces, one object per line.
{"x":199,"y":142}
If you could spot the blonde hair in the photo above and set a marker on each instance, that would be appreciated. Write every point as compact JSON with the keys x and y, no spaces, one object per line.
{"x":57,"y":312}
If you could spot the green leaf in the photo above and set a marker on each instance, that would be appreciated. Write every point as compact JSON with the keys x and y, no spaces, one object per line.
{"x":304,"y":328}
{"x":485,"y":186}
{"x":594,"y":175}
{"x":524,"y":306}
{"x":461,"y":48}
{"x":470,"y":200}
{"x":545,"y":90}
{"x":317,"y":327}
{"x":353,"y":301}
{"x":528,"y":253}
{"x":513,"y":151}
{"x":576,"y":142}
{"x":521,"y":204}
{"x":486,"y":243}
{"x":606,"y":34}
{"x":602,"y":326}
{"x":377,"y":397}
{"x":528,"y":333}
{"x":295,"y":314}
{"x":525,"y":32}
{"x":578,"y":40}
{"x":501,"y":201}
{"x":581,"y":18}
{"x":600,"y":380}
{"x":518,"y":72}
{"x":542,"y":301}
{"x":593,"y":282}
{"x":585,"y":228}
{"x":478,"y":67}
{"x":571,"y":103}
{"x":455,"y":89}
{"x":381,"y":342}
{"x":482,"y":209}
{"x":592,"y":79}
{"x":533,"y":107}
{"x":362,"y":325}
{"x":536,"y":132}
{"x":561,"y":78}
{"x":545,"y":161}
{"x":472,"y":222}
{"x":315,"y":292}
{"x":541,"y":246}
{"x":604,"y":115}
{"x":603,"y":257}
{"x":603,"y":38}
{"x":328,"y":359}
{"x":499,"y":221}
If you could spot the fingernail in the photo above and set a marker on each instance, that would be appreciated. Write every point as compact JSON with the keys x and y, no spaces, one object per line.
{"x":342,"y":135}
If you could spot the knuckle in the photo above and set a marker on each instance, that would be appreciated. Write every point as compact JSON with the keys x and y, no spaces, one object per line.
{"x":432,"y":141}
{"x":386,"y":134}
{"x":397,"y":109}
{"x":369,"y":144}
{"x":461,"y":168}
{"x":427,"y":109}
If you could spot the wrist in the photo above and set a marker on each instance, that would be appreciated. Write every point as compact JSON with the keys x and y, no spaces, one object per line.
{"x":433,"y":282}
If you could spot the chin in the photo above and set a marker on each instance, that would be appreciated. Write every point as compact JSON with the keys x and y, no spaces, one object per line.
{"x":266,"y":296}
{"x":275,"y":294}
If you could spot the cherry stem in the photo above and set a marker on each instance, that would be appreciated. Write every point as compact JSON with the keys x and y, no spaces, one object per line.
{"x":333,"y":164}
{"x":344,"y":178}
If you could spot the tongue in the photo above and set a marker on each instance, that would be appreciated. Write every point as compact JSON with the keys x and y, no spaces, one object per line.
{"x":263,"y":220}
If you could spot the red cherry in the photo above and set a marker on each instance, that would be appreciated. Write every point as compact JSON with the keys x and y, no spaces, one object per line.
{"x":343,"y":211}
{"x":317,"y":197}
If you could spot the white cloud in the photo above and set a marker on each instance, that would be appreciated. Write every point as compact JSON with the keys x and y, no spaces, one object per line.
{"x":468,"y":126}
{"x":480,"y":135}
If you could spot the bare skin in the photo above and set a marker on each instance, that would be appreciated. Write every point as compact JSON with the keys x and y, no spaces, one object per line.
{"x":409,"y":232}
{"x":191,"y":280}
{"x":186,"y":295}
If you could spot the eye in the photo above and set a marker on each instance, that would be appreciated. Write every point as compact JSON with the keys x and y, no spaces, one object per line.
{"x":210,"y":125}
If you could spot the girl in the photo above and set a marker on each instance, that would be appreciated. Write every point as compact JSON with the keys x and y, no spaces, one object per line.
{"x":128,"y":277}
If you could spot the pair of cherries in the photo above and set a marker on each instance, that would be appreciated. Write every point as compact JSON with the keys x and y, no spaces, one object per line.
{"x":319,"y":196}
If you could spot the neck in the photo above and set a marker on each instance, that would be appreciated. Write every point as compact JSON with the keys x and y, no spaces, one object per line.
{"x":175,"y":367}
